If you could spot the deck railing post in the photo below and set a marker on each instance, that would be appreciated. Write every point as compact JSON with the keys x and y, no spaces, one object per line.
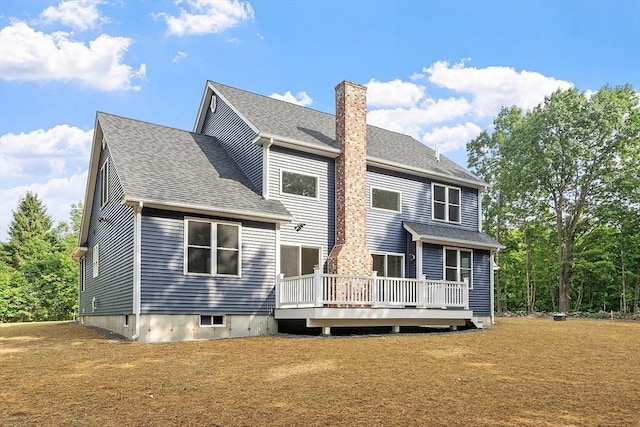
{"x":422,"y":296}
{"x":374,"y":288}
{"x":279,"y":278}
{"x":465,"y":293}
{"x":318,"y":285}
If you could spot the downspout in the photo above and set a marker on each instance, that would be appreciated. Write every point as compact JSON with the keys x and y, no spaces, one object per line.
{"x":265,"y":168}
{"x":492,"y":285}
{"x":480,"y":219}
{"x":137,"y":262}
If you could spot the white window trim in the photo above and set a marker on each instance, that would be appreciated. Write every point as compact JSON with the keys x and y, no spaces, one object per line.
{"x":386,"y":262}
{"x":83,"y":274}
{"x":300,"y":246}
{"x":212,"y":247}
{"x":444,"y":262}
{"x":282,"y":171}
{"x":221,"y":325}
{"x":446,"y":203}
{"x":371,"y":188}
{"x":95,"y":260}
{"x":104,"y":184}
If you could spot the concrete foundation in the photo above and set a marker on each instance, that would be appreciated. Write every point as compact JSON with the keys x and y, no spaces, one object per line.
{"x":482,"y":322}
{"x":183,"y":327}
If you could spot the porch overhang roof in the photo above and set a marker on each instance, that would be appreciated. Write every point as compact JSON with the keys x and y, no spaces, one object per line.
{"x":445,"y":235}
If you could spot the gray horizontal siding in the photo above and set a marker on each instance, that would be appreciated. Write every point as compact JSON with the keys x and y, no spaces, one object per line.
{"x":480,"y":295}
{"x":432,"y":261}
{"x":384,"y":228}
{"x":165,"y":289}
{"x":113,"y":288}
{"x":235,"y":136}
{"x":469,"y":209}
{"x":318,"y":215}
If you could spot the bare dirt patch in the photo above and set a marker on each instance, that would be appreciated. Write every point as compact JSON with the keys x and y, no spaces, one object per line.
{"x":532,"y":372}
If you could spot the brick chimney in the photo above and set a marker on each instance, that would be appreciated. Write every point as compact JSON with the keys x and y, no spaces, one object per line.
{"x":350,"y":254}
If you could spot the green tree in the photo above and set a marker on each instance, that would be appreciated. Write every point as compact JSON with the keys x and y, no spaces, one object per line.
{"x":561,"y":158}
{"x":38,"y":278}
{"x":29,"y":231}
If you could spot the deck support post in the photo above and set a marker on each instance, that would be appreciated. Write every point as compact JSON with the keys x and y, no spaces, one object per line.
{"x":326,"y":331}
{"x":396,"y":329}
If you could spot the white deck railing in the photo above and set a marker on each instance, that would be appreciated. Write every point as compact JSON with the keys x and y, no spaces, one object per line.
{"x":321,"y":289}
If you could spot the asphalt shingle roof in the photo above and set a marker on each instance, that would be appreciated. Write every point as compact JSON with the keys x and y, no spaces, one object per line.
{"x":172,"y":166}
{"x":442,"y":232}
{"x":276,"y":117}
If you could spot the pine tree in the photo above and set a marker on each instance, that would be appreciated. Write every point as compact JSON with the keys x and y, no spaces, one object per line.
{"x":30,"y":231}
{"x":38,"y":278}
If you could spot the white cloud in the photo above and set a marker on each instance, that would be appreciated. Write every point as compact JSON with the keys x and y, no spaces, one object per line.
{"x":43,"y":152}
{"x":413,"y":120}
{"x":47,"y":167}
{"x":494,"y":87}
{"x":28,"y":55}
{"x":468,"y":100}
{"x":61,"y":140}
{"x":80,"y":15}
{"x":10,"y":167}
{"x":300,"y":98}
{"x":394,"y":93}
{"x":57,"y":194}
{"x":207,"y":16}
{"x":452,"y":138}
{"x":180,"y":55}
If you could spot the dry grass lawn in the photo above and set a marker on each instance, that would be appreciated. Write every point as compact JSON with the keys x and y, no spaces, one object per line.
{"x":531,"y":372}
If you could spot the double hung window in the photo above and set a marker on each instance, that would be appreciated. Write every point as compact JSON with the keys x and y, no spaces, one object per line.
{"x":458,"y":265}
{"x":212,"y":248}
{"x":446,"y":203}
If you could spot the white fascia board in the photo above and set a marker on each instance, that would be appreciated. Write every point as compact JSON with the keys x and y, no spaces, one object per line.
{"x":92,"y":175}
{"x":294,"y":144}
{"x":461,"y":243}
{"x":398,"y":167}
{"x":203,"y":210}
{"x":415,"y":236}
{"x":202,"y":110}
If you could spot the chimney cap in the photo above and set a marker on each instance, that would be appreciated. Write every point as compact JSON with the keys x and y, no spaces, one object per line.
{"x":350,"y":83}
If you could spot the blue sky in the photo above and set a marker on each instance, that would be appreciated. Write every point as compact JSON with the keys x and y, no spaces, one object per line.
{"x":437,"y":70}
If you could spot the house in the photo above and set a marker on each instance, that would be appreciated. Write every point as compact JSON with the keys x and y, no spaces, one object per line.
{"x":269,"y":212}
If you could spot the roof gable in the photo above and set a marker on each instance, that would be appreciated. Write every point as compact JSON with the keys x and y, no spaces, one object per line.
{"x":387,"y":149}
{"x":172,"y":167}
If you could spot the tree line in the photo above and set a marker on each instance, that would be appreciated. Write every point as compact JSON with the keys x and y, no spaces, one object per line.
{"x":565,"y":201}
{"x":38,"y":277}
